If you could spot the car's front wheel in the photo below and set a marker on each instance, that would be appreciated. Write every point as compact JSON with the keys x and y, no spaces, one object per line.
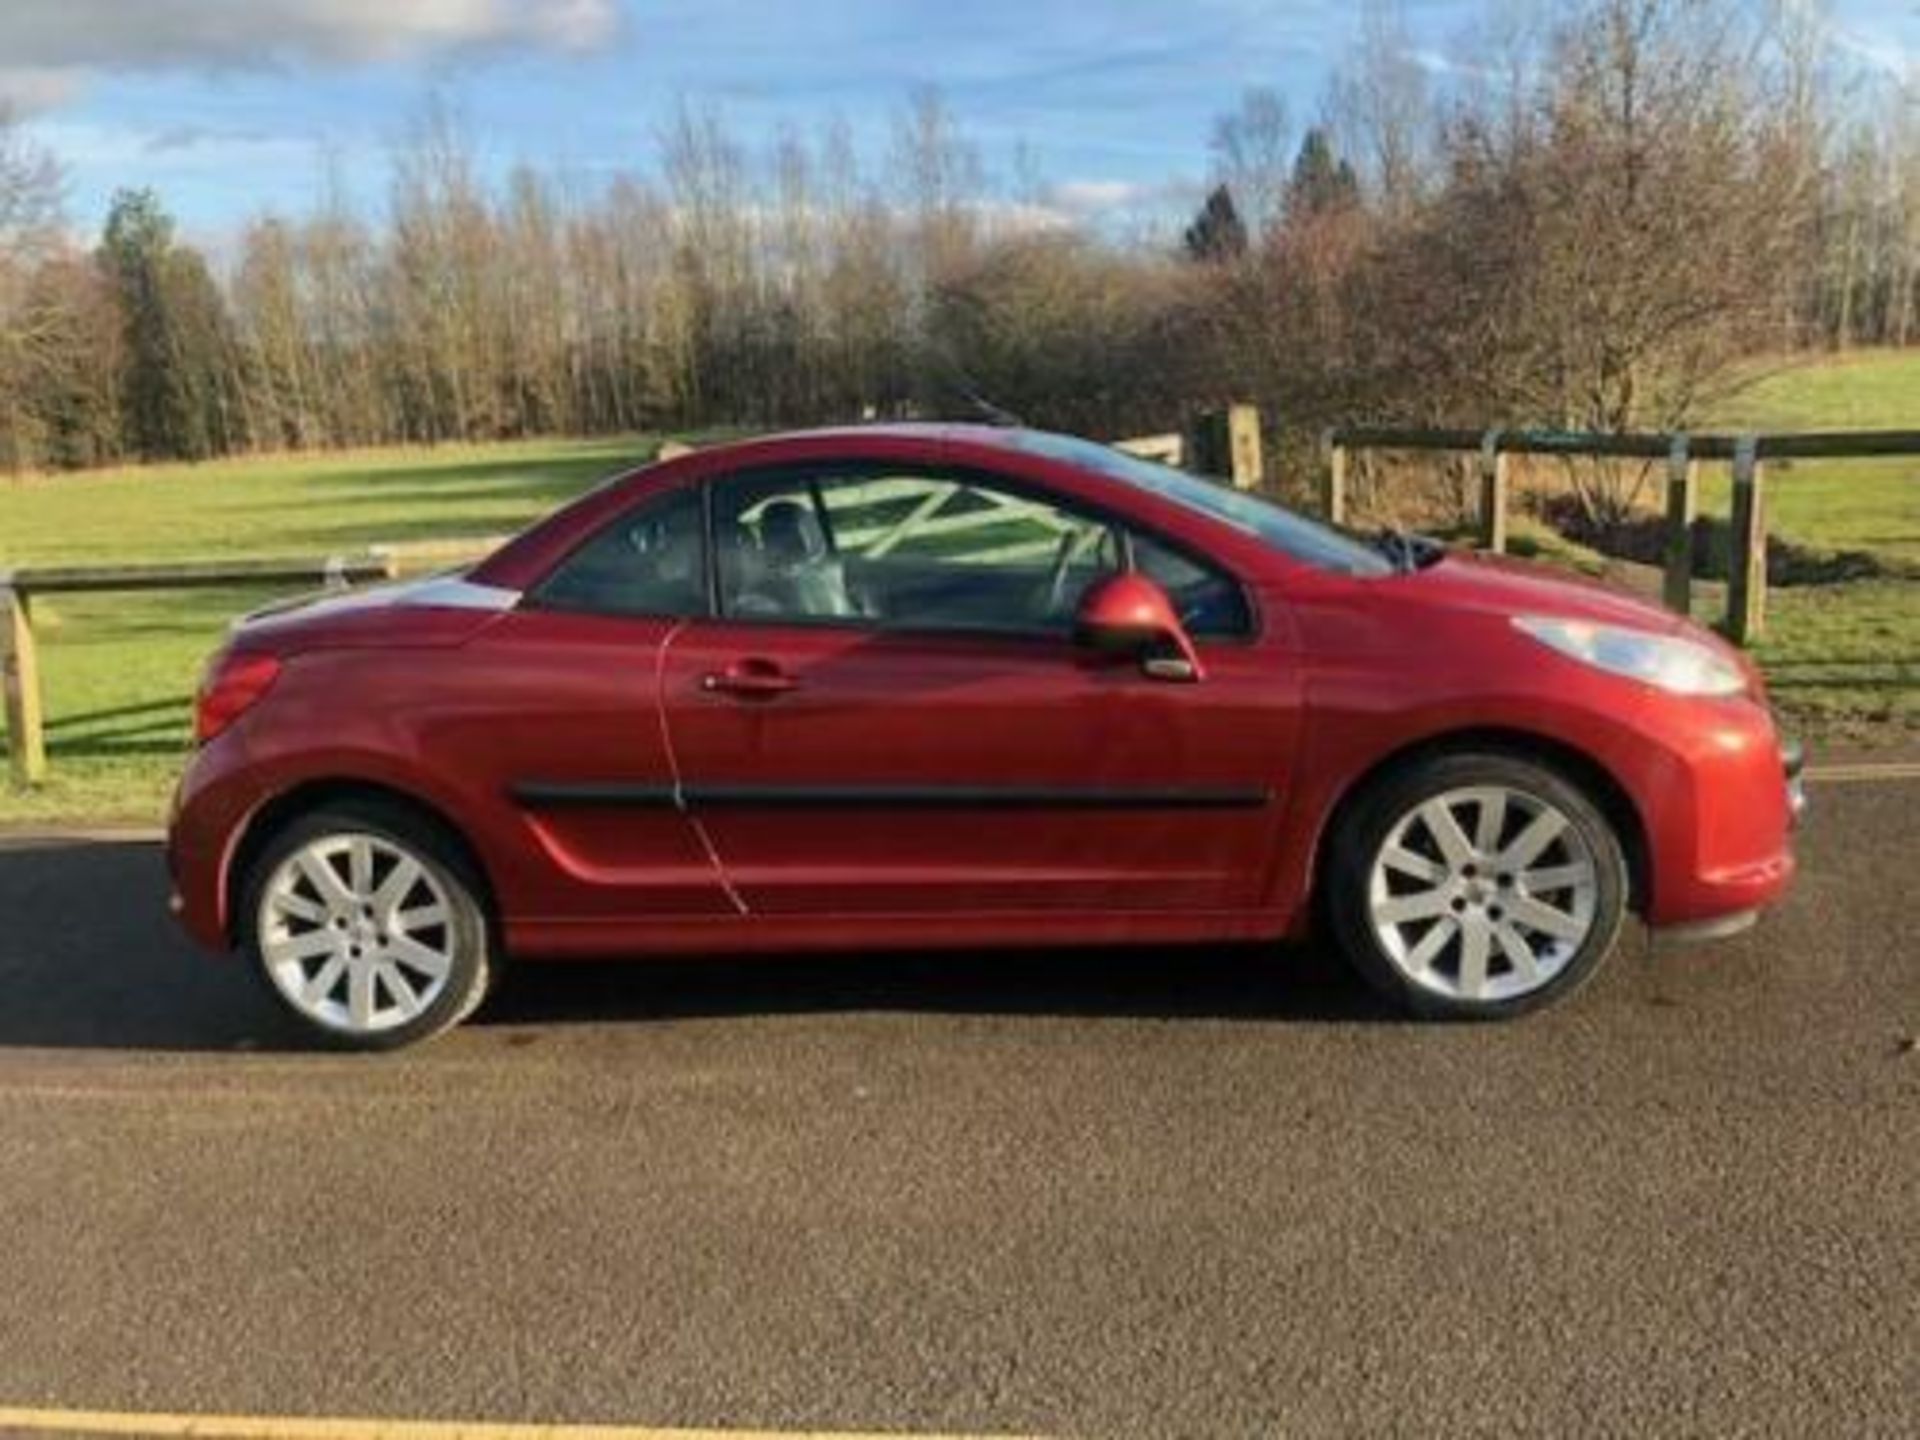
{"x":1476,"y":886}
{"x":367,"y":925}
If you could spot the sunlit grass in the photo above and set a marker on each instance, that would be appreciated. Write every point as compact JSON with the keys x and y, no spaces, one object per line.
{"x":1868,"y":505}
{"x":120,"y":669}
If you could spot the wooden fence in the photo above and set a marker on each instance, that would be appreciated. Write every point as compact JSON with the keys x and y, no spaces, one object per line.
{"x":19,"y":652}
{"x":1225,"y":443}
{"x":1683,"y":453}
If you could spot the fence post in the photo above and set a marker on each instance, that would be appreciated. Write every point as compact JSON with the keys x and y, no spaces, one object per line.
{"x":1227,"y":443}
{"x":1333,"y":476}
{"x":20,"y":677}
{"x":1683,"y":503}
{"x":1747,"y":566}
{"x":1493,"y":493}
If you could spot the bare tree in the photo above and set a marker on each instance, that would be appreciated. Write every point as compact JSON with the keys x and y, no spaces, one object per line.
{"x":1252,"y":156}
{"x":1381,"y":109}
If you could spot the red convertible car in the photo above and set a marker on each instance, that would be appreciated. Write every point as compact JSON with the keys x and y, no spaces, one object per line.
{"x":957,"y":686}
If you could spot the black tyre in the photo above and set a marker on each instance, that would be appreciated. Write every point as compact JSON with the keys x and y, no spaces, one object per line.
{"x":1476,"y":886}
{"x":368,"y":924}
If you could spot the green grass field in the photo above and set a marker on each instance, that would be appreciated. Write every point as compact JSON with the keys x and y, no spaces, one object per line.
{"x":1844,"y":660}
{"x":119,"y":669}
{"x":1870,"y":505}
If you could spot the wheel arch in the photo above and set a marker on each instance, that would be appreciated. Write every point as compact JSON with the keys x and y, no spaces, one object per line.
{"x":272,"y":816}
{"x":1593,"y":778}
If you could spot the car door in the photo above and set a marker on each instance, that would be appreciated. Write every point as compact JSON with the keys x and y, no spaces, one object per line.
{"x":560,"y":720}
{"x":886,"y":713}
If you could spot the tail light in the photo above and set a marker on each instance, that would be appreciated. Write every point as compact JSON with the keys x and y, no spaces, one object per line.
{"x":234,"y":682}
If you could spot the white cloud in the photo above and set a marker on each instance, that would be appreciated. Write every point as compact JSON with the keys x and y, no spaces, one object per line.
{"x":1083,"y":196}
{"x":68,"y":36}
{"x":1435,"y":62}
{"x":29,"y":89}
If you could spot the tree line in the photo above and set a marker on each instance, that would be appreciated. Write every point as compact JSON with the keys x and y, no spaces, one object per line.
{"x":1589,"y":222}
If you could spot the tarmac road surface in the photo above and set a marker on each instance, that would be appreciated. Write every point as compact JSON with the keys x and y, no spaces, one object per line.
{"x":1159,"y":1193}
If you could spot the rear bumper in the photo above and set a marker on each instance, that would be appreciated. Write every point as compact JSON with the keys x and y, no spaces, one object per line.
{"x":210,"y":810}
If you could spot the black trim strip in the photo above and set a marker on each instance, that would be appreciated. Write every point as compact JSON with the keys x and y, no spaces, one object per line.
{"x":966,"y":797}
{"x":891,"y":797}
{"x":550,"y":793}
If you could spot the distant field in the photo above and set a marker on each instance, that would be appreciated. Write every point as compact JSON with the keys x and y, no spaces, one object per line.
{"x":1864,"y":390}
{"x":298,"y":505}
{"x":1842,"y":659}
{"x":1871,"y":505}
{"x":120,"y":669}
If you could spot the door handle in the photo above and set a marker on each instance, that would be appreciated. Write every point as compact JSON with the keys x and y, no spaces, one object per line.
{"x":754,"y":679}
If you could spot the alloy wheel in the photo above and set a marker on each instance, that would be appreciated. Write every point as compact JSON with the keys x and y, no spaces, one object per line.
{"x":357,"y":933}
{"x":1483,"y":893}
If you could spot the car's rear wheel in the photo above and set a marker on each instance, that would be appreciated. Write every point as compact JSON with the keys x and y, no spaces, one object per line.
{"x":366,"y":922}
{"x":1477,"y":886}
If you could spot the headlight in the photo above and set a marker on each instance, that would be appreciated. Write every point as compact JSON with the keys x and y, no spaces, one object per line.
{"x":1681,"y":666}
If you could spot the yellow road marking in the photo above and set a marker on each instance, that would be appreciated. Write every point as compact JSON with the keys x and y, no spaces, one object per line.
{"x":21,"y":1421}
{"x":1864,"y":771}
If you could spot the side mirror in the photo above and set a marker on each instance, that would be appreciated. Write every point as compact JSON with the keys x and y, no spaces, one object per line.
{"x":1129,"y":615}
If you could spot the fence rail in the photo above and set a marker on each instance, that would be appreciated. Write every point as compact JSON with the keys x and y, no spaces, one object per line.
{"x":1226,"y":442}
{"x":1683,"y":452}
{"x":19,"y":653}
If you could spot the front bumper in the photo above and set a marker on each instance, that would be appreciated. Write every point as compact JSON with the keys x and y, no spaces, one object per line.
{"x":1719,"y":796}
{"x":1793,"y":761}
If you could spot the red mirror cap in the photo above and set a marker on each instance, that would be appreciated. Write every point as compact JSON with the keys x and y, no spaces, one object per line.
{"x":1130,"y":604}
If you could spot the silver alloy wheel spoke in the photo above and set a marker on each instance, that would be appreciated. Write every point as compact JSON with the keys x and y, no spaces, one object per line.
{"x":1431,"y":944}
{"x":1446,"y":832}
{"x":1518,"y":952}
{"x":1474,"y":948}
{"x":1406,"y":862}
{"x":1536,"y":915}
{"x":324,"y":878}
{"x":1493,"y":819}
{"x":293,"y":948}
{"x":1541,"y":832}
{"x":1555,"y":877}
{"x":399,"y":882}
{"x":298,"y":907}
{"x":1463,"y":910}
{"x":360,"y":866}
{"x":357,"y":933}
{"x":415,"y":956}
{"x":408,"y":921}
{"x":394,"y":981}
{"x":325,"y":980}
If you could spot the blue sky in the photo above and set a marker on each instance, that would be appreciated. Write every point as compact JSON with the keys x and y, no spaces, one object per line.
{"x":233,"y":106}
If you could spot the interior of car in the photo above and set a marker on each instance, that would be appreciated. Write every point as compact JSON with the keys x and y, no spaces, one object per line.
{"x":919,"y":551}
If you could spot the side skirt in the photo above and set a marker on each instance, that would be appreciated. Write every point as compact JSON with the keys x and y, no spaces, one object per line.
{"x":746,"y":934}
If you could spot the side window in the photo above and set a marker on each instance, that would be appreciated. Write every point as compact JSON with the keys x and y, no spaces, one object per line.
{"x":650,"y":561}
{"x":911,"y":551}
{"x":1210,"y":604}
